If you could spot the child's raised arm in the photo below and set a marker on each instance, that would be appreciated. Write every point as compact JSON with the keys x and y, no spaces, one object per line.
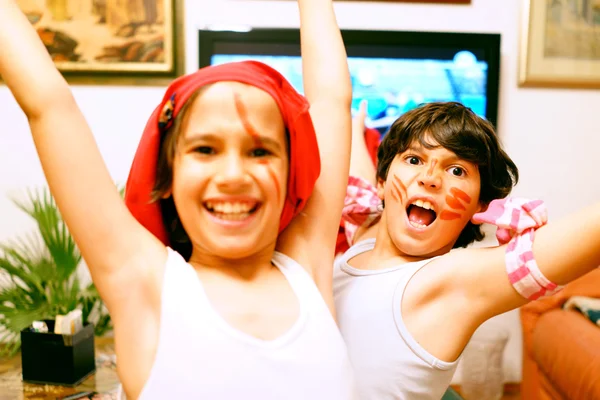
{"x":328,"y":90}
{"x":563,"y":250}
{"x":361,"y":164}
{"x":88,"y":199}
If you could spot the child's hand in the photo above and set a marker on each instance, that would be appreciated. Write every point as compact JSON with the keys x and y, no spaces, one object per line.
{"x":513,"y":216}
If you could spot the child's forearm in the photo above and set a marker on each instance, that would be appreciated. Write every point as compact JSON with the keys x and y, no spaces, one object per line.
{"x":25,"y":64}
{"x":361,"y":164}
{"x":324,"y":63}
{"x":74,"y":169}
{"x":569,"y":248}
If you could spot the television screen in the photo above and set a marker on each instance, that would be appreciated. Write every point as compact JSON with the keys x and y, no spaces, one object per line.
{"x":393,"y":76}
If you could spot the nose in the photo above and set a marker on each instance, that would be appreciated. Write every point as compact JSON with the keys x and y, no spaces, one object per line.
{"x":232,"y":172}
{"x":430,"y":177}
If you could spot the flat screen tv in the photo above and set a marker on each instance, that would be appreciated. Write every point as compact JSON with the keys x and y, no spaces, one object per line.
{"x":393,"y":70}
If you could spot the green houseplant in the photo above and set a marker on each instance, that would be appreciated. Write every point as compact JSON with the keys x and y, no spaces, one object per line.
{"x":40,"y":276}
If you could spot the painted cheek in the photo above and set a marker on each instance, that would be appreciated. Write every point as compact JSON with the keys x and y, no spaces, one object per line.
{"x":455,"y":200}
{"x":449,"y":215}
{"x":273,"y":177}
{"x":398,"y":189}
{"x":250,"y":130}
{"x":459,"y":194}
{"x":454,"y":203}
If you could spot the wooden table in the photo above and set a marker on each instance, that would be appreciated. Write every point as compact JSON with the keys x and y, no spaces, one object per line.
{"x":104,"y":381}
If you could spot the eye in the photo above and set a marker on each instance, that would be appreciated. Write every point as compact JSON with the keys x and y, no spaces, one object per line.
{"x":260,"y":152}
{"x":413,"y":160}
{"x":204,"y":150}
{"x":458,"y":171}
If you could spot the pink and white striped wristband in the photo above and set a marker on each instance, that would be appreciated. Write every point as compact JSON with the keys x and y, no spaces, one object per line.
{"x":517,"y":219}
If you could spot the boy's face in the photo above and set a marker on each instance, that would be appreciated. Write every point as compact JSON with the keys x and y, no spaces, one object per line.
{"x":430,"y":196}
{"x":230,"y":171}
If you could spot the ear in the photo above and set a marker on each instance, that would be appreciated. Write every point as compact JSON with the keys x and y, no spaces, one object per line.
{"x":380,"y":188}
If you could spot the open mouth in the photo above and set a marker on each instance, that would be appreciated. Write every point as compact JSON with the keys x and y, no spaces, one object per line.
{"x":232,"y":211}
{"x":420,"y":214}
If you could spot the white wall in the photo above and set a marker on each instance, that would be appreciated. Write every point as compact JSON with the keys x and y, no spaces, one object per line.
{"x":551,"y":134}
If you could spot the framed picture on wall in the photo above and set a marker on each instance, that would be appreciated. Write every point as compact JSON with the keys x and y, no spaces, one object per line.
{"x":423,"y":1}
{"x":111,"y":41}
{"x":560,"y":44}
{"x":418,"y":1}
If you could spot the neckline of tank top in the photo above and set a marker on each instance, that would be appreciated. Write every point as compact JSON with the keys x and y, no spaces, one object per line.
{"x":285,"y":338}
{"x":366,"y":245}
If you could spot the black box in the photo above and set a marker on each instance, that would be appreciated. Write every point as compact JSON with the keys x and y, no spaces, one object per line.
{"x":57,"y":359}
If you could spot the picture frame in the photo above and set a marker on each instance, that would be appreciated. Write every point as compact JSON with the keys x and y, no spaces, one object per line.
{"x":419,"y":1}
{"x":560,"y":44}
{"x":416,"y":1}
{"x":113,"y":42}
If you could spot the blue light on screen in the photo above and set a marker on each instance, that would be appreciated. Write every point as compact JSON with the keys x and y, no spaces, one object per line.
{"x":393,"y":86}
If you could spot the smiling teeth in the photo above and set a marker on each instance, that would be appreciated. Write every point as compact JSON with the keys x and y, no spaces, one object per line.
{"x":423,"y":204}
{"x":418,"y":225}
{"x":229,"y":208}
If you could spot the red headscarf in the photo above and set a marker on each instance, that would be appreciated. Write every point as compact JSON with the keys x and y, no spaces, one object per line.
{"x":305,"y":164}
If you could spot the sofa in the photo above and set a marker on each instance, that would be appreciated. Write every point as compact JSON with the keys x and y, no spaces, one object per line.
{"x":561,"y":349}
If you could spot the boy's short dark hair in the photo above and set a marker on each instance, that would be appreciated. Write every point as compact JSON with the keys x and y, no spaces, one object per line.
{"x":455,"y":127}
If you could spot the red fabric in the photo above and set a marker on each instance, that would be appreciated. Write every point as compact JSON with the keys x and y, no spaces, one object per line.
{"x":305,"y":164}
{"x":372,"y":140}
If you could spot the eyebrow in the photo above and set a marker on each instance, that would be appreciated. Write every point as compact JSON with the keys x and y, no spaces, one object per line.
{"x":453,"y":157}
{"x":416,"y":148}
{"x":211,"y":137}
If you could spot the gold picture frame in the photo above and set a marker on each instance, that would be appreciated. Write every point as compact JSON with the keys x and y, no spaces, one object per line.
{"x":421,"y":1}
{"x":560,"y":44}
{"x":133,"y":42}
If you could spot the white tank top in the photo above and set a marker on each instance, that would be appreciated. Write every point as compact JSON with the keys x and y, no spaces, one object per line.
{"x":388,"y":362}
{"x":200,"y":356}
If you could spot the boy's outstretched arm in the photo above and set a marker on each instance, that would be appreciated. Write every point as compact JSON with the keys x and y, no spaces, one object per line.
{"x":328,"y":90}
{"x":472,"y":285}
{"x":104,"y":230}
{"x":564,"y":250}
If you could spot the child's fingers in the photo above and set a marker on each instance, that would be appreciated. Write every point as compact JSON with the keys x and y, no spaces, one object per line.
{"x":362,"y":110}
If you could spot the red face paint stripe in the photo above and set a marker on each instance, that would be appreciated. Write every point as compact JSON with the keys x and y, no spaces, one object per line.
{"x":243,"y":113}
{"x":399,"y":182}
{"x":454,"y":203}
{"x":394,"y":195}
{"x":273,"y":177}
{"x":456,"y":192}
{"x":399,"y":187}
{"x":431,"y":167}
{"x":397,"y":192}
{"x":449,"y":215}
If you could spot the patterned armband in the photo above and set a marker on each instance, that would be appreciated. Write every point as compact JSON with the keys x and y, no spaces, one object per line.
{"x":517,"y":219}
{"x":362,"y":206}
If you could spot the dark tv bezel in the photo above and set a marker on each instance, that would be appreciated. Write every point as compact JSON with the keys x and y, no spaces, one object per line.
{"x":361,"y":43}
